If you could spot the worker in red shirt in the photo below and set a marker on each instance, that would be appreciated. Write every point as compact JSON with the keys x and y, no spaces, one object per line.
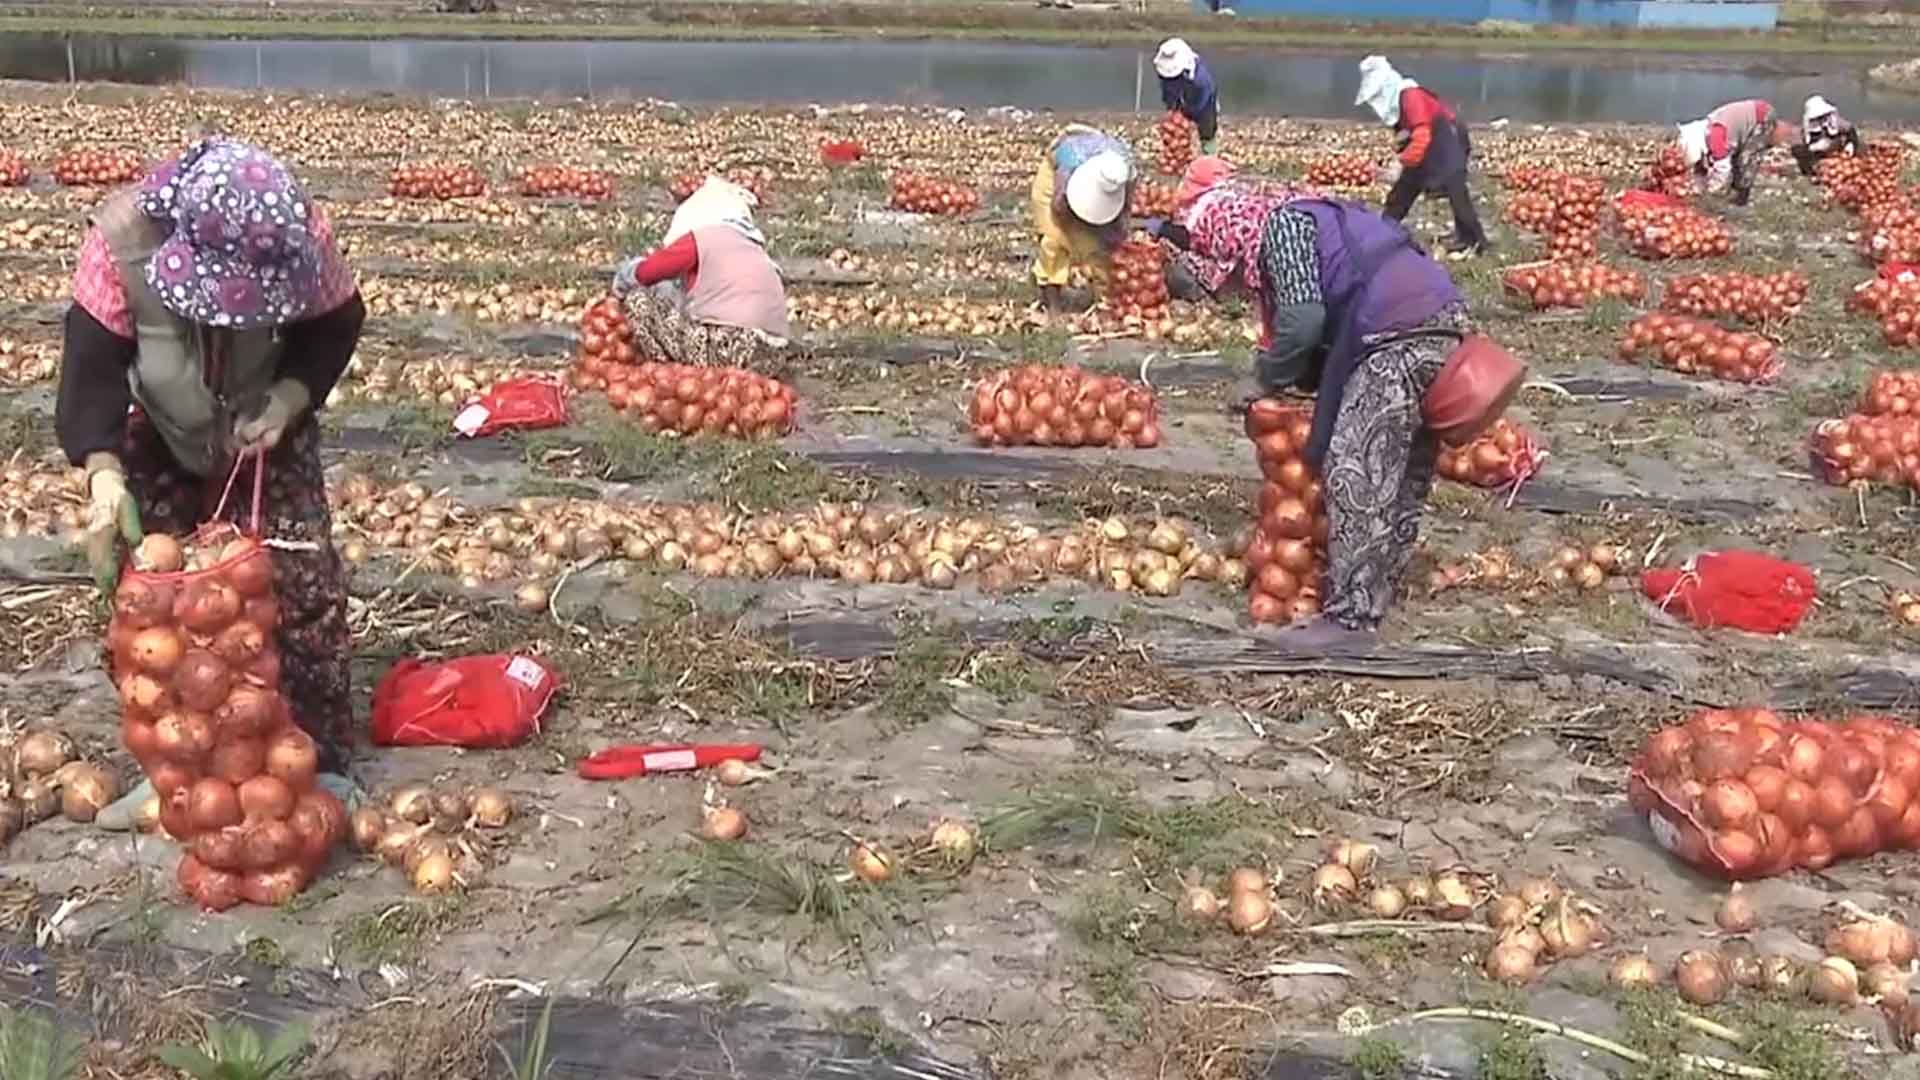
{"x":1433,"y":150}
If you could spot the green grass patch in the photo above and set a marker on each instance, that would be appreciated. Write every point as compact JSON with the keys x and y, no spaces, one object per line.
{"x":1375,"y":1058}
{"x":1211,"y":837}
{"x":399,"y":933}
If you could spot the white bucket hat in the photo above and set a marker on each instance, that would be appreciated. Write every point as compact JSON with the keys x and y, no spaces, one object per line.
{"x":1097,"y":190}
{"x":1174,"y":59}
{"x":1816,"y":108}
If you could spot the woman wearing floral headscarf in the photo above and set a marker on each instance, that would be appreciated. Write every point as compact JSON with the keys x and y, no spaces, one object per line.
{"x":211,"y":315}
{"x":710,"y":294}
{"x":1353,"y":311}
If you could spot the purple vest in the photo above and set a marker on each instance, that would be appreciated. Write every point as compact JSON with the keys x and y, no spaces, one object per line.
{"x":1374,"y":280}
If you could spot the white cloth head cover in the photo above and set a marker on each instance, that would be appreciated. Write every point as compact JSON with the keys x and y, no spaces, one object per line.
{"x":1097,"y":190}
{"x":1174,"y":59}
{"x":1380,"y":89}
{"x":716,"y":202}
{"x":1693,"y":141}
{"x":1816,"y":108}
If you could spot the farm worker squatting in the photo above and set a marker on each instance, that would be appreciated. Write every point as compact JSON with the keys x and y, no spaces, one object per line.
{"x":1725,"y":145}
{"x":1187,"y":87}
{"x":710,"y":295}
{"x":1355,"y":313}
{"x":211,"y":299}
{"x":1079,"y":200}
{"x":1432,"y":149}
{"x":1823,"y":133}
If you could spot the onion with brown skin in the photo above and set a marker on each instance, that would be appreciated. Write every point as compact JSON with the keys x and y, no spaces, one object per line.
{"x":1452,"y":898}
{"x":238,"y":760}
{"x":723,"y":823}
{"x":273,"y":887}
{"x":12,"y":820}
{"x":213,"y":803}
{"x":206,"y":605}
{"x":1835,"y":982}
{"x":85,"y":790}
{"x":292,"y":756}
{"x":156,"y":650}
{"x":1736,"y":914}
{"x":870,"y":864}
{"x":247,"y":568}
{"x":42,"y":753}
{"x":492,"y":807}
{"x":1886,"y":983}
{"x":159,"y":553}
{"x":221,"y":849}
{"x":1387,"y":901}
{"x":240,"y":643}
{"x":367,"y":827}
{"x":413,"y":803}
{"x":1634,"y":971}
{"x":1199,"y":904}
{"x":1507,"y":911}
{"x":247,"y":711}
{"x":1701,"y":978}
{"x":1333,"y":883}
{"x":1249,"y":913}
{"x":183,"y":737}
{"x":265,"y":798}
{"x":202,"y":680}
{"x":269,"y":844}
{"x":434,"y":875}
{"x":1510,"y":964}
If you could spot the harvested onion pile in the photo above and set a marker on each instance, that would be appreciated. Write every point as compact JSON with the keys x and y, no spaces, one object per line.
{"x":1906,"y":608}
{"x":1503,"y":455}
{"x":13,"y":169}
{"x":1753,"y":298}
{"x":606,"y":345}
{"x":1554,"y":202}
{"x":1746,"y":794}
{"x":1177,"y":137}
{"x":1892,"y":393}
{"x":427,"y":833}
{"x":1668,"y":174}
{"x":565,"y":182}
{"x":1672,"y":232}
{"x":1693,"y":346}
{"x":685,"y":399}
{"x":1151,"y":199}
{"x":42,"y":778}
{"x":1286,"y":557}
{"x":1867,"y":179}
{"x":34,"y":503}
{"x":756,"y":180}
{"x":97,"y":168}
{"x":192,"y":641}
{"x":1890,"y":233}
{"x":436,"y":181}
{"x":846,"y":540}
{"x":1066,"y":406}
{"x":1896,"y":303}
{"x":1572,"y":284}
{"x":1585,"y":569}
{"x":1881,"y":449}
{"x":917,"y":194}
{"x":1136,"y":286}
{"x":23,"y":362}
{"x":1342,"y":173}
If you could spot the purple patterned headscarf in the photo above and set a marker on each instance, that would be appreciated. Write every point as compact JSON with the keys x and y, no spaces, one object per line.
{"x":242,"y":252}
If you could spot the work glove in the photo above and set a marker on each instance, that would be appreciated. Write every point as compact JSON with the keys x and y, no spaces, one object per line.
{"x":112,"y":517}
{"x":1208,"y":146}
{"x":262,"y":430}
{"x":624,"y":277}
{"x":1719,"y":176}
{"x":1390,"y":172}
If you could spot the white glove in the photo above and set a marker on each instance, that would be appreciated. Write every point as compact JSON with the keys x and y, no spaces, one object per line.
{"x":1391,"y":171}
{"x":1719,"y":176}
{"x":112,"y":516}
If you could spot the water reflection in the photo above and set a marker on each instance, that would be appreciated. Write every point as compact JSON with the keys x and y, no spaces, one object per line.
{"x":1552,"y":88}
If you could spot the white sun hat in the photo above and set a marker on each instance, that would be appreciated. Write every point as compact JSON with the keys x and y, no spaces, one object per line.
{"x":1816,"y":108}
{"x":1174,"y":59}
{"x":1097,"y":190}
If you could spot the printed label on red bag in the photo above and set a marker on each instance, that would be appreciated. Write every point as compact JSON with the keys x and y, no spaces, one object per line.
{"x":470,"y":419}
{"x":526,"y":672}
{"x":1664,"y":832}
{"x":669,"y":761}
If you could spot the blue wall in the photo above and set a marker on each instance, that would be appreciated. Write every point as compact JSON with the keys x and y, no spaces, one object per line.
{"x":1643,"y":14}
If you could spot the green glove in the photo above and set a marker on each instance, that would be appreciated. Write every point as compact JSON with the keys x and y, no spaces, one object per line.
{"x":112,"y":517}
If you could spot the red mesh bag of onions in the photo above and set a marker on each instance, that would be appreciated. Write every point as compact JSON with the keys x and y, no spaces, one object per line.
{"x":1287,"y":556}
{"x":485,"y":702}
{"x":1745,"y":590}
{"x":193,"y":655}
{"x":527,"y":403}
{"x":1744,"y":794}
{"x":1505,"y":455}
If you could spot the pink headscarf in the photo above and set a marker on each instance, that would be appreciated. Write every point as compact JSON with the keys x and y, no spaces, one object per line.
{"x":1202,"y":173}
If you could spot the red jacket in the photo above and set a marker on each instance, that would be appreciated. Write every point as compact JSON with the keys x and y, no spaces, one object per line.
{"x":1419,"y":108}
